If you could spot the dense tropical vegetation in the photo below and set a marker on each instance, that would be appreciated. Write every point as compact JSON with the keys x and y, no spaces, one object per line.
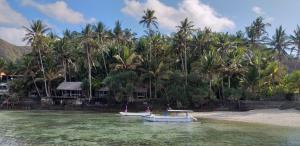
{"x":190,"y":67}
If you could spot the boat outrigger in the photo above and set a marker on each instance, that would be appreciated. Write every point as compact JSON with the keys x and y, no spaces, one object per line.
{"x":168,"y":118}
{"x":126,"y":113}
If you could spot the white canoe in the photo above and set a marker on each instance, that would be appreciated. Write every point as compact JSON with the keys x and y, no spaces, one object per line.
{"x":135,"y":114}
{"x":156,"y":118}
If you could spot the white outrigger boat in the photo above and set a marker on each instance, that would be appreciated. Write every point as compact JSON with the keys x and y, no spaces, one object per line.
{"x":125,"y":113}
{"x":135,"y":114}
{"x":168,"y":118}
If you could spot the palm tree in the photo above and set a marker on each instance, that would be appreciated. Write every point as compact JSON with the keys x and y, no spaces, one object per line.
{"x":209,"y":63}
{"x":62,"y":50}
{"x":201,"y":41}
{"x":130,"y":61}
{"x":88,"y":43}
{"x":257,"y":30}
{"x":233,"y":63}
{"x":149,"y":20}
{"x":35,"y":37}
{"x":102,"y":42}
{"x":280,"y":42}
{"x":185,"y":31}
{"x":295,"y":40}
{"x":118,"y":36}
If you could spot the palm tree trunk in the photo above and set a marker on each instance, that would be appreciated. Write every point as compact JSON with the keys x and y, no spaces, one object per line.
{"x":104,"y":62}
{"x":90,"y":73}
{"x":49,"y":87}
{"x":210,"y":85}
{"x":65,"y":70}
{"x":36,"y":88}
{"x":103,"y":57}
{"x":229,"y":81}
{"x":222,"y":90}
{"x":210,"y":88}
{"x":185,"y":63}
{"x":150,"y":54}
{"x":155,"y":88}
{"x":43,"y":71}
{"x":298,"y":51}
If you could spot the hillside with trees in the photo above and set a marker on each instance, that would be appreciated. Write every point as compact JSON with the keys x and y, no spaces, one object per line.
{"x":10,"y":52}
{"x":189,"y":67}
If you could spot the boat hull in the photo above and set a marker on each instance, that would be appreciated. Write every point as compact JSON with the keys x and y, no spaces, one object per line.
{"x":135,"y":114}
{"x":155,"y":118}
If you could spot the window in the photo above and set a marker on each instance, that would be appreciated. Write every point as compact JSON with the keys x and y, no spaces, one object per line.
{"x":75,"y":93}
{"x":140,"y":94}
{"x":3,"y":87}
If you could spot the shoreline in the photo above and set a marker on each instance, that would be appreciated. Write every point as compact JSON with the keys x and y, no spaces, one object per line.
{"x":288,"y":118}
{"x":275,"y":117}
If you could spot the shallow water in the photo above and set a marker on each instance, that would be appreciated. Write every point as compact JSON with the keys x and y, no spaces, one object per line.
{"x":83,"y":128}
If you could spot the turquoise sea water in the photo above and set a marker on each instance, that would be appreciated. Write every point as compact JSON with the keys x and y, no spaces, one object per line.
{"x":87,"y":128}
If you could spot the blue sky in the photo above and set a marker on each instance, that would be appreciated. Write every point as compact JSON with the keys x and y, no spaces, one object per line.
{"x":220,"y":15}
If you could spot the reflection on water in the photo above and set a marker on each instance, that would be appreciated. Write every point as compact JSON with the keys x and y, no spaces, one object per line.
{"x":82,"y":128}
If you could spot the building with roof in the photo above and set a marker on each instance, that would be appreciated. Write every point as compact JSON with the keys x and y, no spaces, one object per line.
{"x":69,"y":93}
{"x":4,"y":89}
{"x":70,"y":89}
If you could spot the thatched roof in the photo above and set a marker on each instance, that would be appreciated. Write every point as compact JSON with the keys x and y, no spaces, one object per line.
{"x":103,"y":89}
{"x":69,"y":86}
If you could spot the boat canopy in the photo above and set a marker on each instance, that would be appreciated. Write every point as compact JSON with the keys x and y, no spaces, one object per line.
{"x":181,"y":111}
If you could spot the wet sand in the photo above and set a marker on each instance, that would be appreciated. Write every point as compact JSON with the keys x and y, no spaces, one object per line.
{"x":290,"y":118}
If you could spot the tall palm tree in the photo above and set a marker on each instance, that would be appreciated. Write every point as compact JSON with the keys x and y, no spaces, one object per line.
{"x":210,"y":64}
{"x":87,"y":40}
{"x":295,"y":40}
{"x":149,"y":20}
{"x":280,"y":42}
{"x":102,"y":42}
{"x":257,"y":30}
{"x":35,"y":36}
{"x":201,"y":40}
{"x":118,"y":36}
{"x":129,"y":62}
{"x":233,"y":63}
{"x":185,"y":31}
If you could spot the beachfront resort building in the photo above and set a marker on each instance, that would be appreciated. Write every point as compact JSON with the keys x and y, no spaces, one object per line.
{"x":68,"y":93}
{"x":4,"y":89}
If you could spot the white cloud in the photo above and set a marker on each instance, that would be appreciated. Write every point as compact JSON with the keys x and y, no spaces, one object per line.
{"x":60,"y":11}
{"x":169,"y":17}
{"x":260,"y":12}
{"x":10,"y":24}
{"x":13,"y":35}
{"x":8,"y":16}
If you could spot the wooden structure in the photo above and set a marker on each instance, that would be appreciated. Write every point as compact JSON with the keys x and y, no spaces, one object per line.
{"x":4,"y":89}
{"x":70,"y":89}
{"x":102,"y":92}
{"x":69,"y":93}
{"x":140,"y":94}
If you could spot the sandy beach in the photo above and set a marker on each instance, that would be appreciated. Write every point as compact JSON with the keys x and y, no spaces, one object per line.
{"x":278,"y":117}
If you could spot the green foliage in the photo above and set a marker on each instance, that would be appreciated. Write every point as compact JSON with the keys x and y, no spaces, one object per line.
{"x":187,"y":68}
{"x":233,"y":94}
{"x":122,"y":84}
{"x":293,"y":81}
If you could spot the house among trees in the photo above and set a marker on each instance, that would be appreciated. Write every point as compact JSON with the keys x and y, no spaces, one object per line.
{"x":140,"y":94}
{"x":102,"y":92}
{"x":4,"y":89}
{"x":69,"y":93}
{"x":101,"y":96}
